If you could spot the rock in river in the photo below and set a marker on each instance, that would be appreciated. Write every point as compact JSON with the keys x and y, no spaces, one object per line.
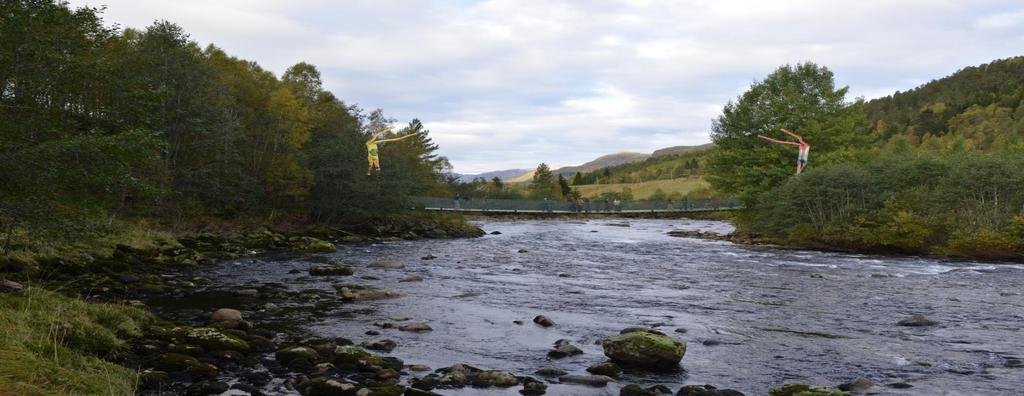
{"x":380,"y":345}
{"x":333,"y":269}
{"x":415,"y":327}
{"x":708,"y":390}
{"x":543,"y":321}
{"x":609,"y":369}
{"x":645,"y":349}
{"x":562,"y":349}
{"x":589,"y":380}
{"x":917,"y":321}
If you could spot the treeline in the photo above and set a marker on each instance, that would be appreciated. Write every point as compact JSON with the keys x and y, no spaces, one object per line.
{"x":97,"y":122}
{"x":881,"y":177}
{"x":670,"y":166}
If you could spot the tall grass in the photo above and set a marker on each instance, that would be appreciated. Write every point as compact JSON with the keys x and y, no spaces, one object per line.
{"x":55,"y":345}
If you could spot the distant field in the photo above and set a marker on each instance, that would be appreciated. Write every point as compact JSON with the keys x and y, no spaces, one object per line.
{"x":643,"y":190}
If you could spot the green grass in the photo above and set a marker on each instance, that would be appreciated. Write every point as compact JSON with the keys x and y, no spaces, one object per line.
{"x":643,"y":190}
{"x":51,"y":345}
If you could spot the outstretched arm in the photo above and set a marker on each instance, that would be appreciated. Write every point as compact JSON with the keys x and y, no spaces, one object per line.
{"x":777,"y":141}
{"x":379,"y":134}
{"x":397,"y":138}
{"x":790,"y":133}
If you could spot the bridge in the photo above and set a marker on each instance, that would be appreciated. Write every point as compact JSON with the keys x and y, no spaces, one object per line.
{"x":485,"y":205}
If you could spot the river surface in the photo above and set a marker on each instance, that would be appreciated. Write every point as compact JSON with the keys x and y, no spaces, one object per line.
{"x":756,"y":317}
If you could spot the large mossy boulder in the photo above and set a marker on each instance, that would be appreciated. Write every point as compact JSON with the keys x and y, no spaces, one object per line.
{"x":645,"y":349}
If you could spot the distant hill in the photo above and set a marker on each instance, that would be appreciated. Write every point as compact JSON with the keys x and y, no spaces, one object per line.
{"x":680,"y":149}
{"x":609,"y":161}
{"x":507,"y":174}
{"x":603,"y":161}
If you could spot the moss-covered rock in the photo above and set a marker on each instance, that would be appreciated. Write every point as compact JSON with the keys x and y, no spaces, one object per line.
{"x":176,"y":362}
{"x":645,"y":349}
{"x":312,"y":245}
{"x":331,"y":269}
{"x":805,"y":390}
{"x":215,"y":340}
{"x":297,"y":352}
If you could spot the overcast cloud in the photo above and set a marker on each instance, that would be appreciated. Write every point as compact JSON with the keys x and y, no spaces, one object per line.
{"x":509,"y":84}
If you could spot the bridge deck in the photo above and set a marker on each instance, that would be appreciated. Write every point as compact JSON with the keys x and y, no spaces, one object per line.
{"x":481,"y":205}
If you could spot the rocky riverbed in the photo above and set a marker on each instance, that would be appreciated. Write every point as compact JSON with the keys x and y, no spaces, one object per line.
{"x":461,"y":317}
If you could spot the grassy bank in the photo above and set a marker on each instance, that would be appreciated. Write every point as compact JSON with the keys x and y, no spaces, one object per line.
{"x":643,"y":190}
{"x":56,"y":345}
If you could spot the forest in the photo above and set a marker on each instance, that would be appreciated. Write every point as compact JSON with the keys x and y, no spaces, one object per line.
{"x":102,"y":125}
{"x":935,"y":170}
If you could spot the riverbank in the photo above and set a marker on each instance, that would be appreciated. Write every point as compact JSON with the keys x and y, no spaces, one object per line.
{"x":75,"y":322}
{"x":965,"y":252}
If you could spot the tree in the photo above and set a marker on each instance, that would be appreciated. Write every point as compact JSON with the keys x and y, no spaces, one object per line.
{"x":802,"y":98}
{"x":497,"y":183}
{"x":564,"y":186}
{"x":578,"y":179}
{"x":542,"y":175}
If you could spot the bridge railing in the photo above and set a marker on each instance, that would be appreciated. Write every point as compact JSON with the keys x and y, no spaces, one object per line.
{"x":596,"y":205}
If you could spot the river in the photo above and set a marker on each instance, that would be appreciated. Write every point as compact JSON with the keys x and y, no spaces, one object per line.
{"x":755,"y":317}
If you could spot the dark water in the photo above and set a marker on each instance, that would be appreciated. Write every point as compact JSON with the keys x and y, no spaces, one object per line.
{"x":756,"y":317}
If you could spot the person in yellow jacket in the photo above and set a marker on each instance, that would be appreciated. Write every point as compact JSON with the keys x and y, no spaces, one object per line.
{"x":372,"y":154}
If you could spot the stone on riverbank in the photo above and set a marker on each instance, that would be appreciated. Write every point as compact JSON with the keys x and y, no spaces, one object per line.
{"x":495,"y":378}
{"x":706,"y":390}
{"x":226,"y":315}
{"x":637,"y":390}
{"x":360,"y":293}
{"x":645,"y":349}
{"x":804,"y":390}
{"x":287,"y":355}
{"x":213,"y":340}
{"x":379,"y":345}
{"x":311,"y":245}
{"x":176,"y":362}
{"x":331,"y":269}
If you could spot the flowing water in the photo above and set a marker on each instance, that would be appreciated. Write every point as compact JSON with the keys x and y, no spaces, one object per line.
{"x":755,"y":317}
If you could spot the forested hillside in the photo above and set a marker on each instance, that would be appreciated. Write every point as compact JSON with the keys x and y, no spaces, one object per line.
{"x":942,"y":172}
{"x":979,"y":106}
{"x":101,"y":123}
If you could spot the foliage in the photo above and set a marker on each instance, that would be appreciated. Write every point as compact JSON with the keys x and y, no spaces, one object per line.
{"x":662,"y":167}
{"x":52,"y":344}
{"x":802,"y":98}
{"x":99,"y":123}
{"x":960,"y":204}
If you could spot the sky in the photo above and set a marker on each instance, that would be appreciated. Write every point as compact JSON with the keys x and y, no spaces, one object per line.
{"x":506,"y":84}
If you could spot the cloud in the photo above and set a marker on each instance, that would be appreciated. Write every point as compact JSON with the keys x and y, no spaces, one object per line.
{"x":511,"y":83}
